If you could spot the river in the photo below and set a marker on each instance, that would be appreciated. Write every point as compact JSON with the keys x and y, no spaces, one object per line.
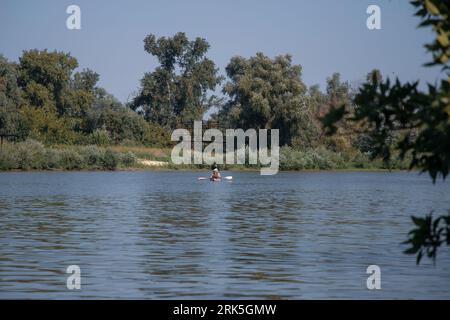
{"x":166,"y":235}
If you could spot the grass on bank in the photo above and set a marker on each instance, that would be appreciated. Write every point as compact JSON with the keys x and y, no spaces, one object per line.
{"x":33,"y":155}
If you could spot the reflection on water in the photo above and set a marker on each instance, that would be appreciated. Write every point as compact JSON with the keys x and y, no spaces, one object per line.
{"x":167,"y":235}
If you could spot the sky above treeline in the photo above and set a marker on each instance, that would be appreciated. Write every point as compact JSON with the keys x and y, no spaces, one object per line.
{"x":323,"y":36}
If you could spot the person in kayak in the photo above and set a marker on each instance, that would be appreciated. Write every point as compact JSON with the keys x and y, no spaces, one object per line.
{"x":216,"y":174}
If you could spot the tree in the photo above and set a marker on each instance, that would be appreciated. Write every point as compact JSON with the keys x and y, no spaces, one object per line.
{"x":267,"y":93}
{"x":86,"y":80}
{"x":420,"y":119}
{"x":56,"y":100}
{"x":10,"y":99}
{"x":45,"y":125}
{"x":339,"y":93}
{"x":43,"y":98}
{"x":176,"y":92}
{"x":44,"y":76}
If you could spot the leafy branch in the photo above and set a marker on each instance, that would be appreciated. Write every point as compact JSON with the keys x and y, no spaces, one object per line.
{"x":428,"y":236}
{"x":400,"y":117}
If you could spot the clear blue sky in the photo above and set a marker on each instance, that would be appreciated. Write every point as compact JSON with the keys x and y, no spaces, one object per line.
{"x":323,"y":36}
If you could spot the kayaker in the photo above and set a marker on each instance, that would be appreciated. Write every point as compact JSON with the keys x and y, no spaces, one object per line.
{"x":216,"y":174}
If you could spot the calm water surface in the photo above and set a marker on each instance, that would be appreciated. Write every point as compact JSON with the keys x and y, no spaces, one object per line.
{"x":167,"y":235}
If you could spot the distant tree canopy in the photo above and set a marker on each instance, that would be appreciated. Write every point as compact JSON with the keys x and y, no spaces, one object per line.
{"x":42,"y":97}
{"x":10,"y":98}
{"x":175,"y":93}
{"x":45,"y":97}
{"x":402,"y":118}
{"x":267,"y":93}
{"x":44,"y":78}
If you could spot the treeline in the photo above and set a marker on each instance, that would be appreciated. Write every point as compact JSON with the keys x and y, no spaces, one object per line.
{"x":44,"y":98}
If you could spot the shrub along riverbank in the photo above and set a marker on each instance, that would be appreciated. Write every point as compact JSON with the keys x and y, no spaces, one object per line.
{"x":33,"y":155}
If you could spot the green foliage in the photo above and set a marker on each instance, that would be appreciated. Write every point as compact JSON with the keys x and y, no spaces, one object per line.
{"x":428,"y":236}
{"x":29,"y":155}
{"x":343,"y":135}
{"x":100,"y":137}
{"x":329,"y":120}
{"x":93,"y":156}
{"x":155,"y":135}
{"x":44,"y":124}
{"x":420,"y":120}
{"x":175,"y":93}
{"x":44,"y":76}
{"x":128,"y":159}
{"x":85,"y":80}
{"x":70,"y":159}
{"x":119,"y":125}
{"x":32,"y":155}
{"x":436,"y":14}
{"x":321,"y":158}
{"x":303,"y":159}
{"x":42,"y":98}
{"x":76,"y":103}
{"x":267,"y":93}
{"x":10,"y":100}
{"x":399,"y":117}
{"x":52,"y":159}
{"x":110,"y":160}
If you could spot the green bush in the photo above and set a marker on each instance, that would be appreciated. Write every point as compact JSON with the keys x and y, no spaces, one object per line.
{"x":128,"y":159}
{"x":52,"y":159}
{"x":100,"y":137}
{"x":29,"y":154}
{"x":110,"y":160}
{"x":319,"y":158}
{"x":6,"y":159}
{"x":92,"y":156}
{"x":361,"y":161}
{"x":155,"y":135}
{"x":71,"y":160}
{"x":291,"y":159}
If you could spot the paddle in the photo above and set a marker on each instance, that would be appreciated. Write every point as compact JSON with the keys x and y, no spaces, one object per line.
{"x":226,"y":178}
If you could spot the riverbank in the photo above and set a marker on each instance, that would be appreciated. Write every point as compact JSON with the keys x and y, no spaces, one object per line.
{"x":32,"y":155}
